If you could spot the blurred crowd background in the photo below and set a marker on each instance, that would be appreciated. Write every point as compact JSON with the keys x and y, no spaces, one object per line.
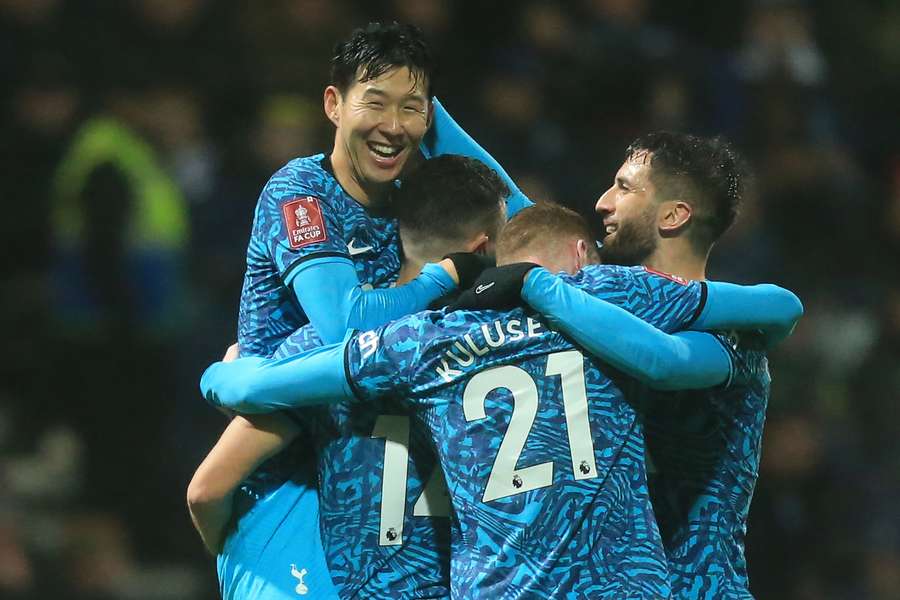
{"x":136,"y":135}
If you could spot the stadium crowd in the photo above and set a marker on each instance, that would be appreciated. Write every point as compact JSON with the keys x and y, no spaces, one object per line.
{"x":116,"y":297}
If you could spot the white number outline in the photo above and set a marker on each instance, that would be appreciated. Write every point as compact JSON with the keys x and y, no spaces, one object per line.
{"x":505,"y":479}
{"x":433,"y":501}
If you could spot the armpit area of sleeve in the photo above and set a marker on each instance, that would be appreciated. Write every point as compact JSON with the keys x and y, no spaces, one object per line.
{"x":729,"y":354}
{"x":354,"y":390}
{"x":310,"y":260}
{"x":701,"y":306}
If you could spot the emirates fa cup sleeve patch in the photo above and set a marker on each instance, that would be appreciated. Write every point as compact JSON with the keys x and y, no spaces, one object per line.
{"x":304,"y":222}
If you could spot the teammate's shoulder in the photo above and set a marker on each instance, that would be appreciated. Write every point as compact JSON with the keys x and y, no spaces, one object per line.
{"x":313,"y":164}
{"x":302,"y":175}
{"x":593,"y":274}
{"x":418,"y":325}
{"x":647,"y":271}
{"x":426,"y":330}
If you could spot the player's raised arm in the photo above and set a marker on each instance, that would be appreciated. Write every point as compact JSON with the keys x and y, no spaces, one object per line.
{"x":243,"y":446}
{"x":447,"y":137}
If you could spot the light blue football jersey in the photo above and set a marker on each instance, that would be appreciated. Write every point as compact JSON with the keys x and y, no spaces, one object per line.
{"x":383,"y":505}
{"x":543,"y":454}
{"x":302,"y":214}
{"x":705,"y":446}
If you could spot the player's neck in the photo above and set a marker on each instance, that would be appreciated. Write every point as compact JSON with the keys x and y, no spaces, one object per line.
{"x":409,"y":270}
{"x":351,"y":182}
{"x":677,"y":257}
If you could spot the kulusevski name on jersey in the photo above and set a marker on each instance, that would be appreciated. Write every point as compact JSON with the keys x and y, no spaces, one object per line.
{"x":463,"y":352}
{"x":541,"y":514}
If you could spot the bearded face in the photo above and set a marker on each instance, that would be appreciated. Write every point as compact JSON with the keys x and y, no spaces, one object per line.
{"x":633,"y":239}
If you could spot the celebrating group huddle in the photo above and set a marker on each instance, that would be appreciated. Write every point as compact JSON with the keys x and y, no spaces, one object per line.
{"x":445,"y":390}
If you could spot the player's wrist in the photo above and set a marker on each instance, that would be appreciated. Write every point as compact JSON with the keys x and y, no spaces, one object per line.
{"x":450,"y":268}
{"x":468,"y":267}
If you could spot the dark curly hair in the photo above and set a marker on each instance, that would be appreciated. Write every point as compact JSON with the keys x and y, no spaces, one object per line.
{"x":707,"y":173}
{"x":377,"y":48}
{"x":450,"y":197}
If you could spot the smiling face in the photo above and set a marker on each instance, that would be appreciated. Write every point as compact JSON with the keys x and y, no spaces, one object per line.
{"x":629,"y":211}
{"x":380,"y":123}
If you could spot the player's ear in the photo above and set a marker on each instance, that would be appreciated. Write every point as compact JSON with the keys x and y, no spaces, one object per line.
{"x":582,"y":254}
{"x":332,"y":104}
{"x":479,"y":244}
{"x":429,"y":119}
{"x":673,"y":215}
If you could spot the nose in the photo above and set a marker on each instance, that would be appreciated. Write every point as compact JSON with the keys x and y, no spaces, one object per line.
{"x":390,"y":124}
{"x":605,"y":204}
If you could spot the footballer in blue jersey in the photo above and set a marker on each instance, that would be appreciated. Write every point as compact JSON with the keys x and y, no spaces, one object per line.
{"x":271,"y":554}
{"x":428,"y":356}
{"x":543,"y":457}
{"x":705,"y":446}
{"x":383,"y":504}
{"x":542,"y":454}
{"x":316,"y":241}
{"x":320,"y":236}
{"x":703,"y":491}
{"x":672,"y":198}
{"x":449,"y":204}
{"x":577,"y":521}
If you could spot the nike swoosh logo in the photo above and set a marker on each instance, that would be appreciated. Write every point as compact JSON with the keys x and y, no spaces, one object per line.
{"x":353,"y":250}
{"x":484,"y":287}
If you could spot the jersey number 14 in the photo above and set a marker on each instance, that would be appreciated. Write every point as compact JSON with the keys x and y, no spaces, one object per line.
{"x":432,"y":502}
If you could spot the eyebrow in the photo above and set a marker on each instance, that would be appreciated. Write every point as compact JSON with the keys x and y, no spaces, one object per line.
{"x":373,"y":91}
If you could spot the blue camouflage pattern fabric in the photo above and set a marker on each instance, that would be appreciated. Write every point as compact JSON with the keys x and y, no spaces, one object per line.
{"x":340,"y":226}
{"x":704,"y":446}
{"x":269,"y":313}
{"x":383,"y":504}
{"x":542,"y":454}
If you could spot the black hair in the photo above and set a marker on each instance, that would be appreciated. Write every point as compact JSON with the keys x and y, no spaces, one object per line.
{"x":707,"y":173}
{"x":450,"y":197}
{"x":377,"y":48}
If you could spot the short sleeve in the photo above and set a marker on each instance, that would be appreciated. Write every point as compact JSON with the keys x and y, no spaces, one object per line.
{"x":666,"y":302}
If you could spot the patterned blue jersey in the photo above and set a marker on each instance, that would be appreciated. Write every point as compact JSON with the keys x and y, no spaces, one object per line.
{"x":542,"y":454}
{"x":303,"y":213}
{"x":383,"y":505}
{"x":704,"y":446}
{"x":271,"y":554}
